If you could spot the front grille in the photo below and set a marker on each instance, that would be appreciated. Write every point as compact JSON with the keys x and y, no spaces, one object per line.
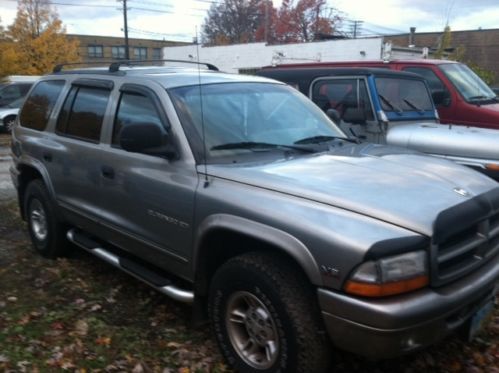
{"x":463,"y":251}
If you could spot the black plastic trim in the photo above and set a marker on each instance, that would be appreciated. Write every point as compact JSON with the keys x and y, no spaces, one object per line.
{"x":94,"y":83}
{"x":147,"y":274}
{"x":397,"y":246}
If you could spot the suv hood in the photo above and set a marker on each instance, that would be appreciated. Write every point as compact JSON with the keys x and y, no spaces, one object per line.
{"x":395,"y":185}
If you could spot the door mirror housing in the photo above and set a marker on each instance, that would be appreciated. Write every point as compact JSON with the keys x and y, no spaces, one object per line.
{"x":146,"y":138}
{"x":355,"y":116}
{"x":334,"y":115}
{"x":441,"y":97}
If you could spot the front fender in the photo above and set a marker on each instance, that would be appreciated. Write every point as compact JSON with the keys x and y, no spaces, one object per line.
{"x":285,"y":242}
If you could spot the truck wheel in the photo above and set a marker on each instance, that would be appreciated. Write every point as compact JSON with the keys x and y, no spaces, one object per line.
{"x":46,"y":232}
{"x":265,"y":317}
{"x":8,"y":123}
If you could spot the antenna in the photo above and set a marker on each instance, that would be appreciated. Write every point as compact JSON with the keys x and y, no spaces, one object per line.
{"x":206,"y":181}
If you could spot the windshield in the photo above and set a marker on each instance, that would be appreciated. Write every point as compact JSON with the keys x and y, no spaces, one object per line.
{"x":399,"y":95}
{"x":469,"y":85}
{"x":17,"y":103}
{"x":241,"y":118}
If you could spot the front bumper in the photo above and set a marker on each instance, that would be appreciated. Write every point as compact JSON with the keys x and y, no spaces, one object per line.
{"x":389,"y":327}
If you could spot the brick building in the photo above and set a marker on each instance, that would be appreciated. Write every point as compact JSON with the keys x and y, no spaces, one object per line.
{"x":481,"y":47}
{"x":95,"y":48}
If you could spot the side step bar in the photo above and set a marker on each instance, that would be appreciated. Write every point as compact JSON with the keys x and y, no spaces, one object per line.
{"x":156,"y":280}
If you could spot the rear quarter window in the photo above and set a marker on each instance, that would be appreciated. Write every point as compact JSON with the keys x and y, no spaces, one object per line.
{"x":39,"y":104}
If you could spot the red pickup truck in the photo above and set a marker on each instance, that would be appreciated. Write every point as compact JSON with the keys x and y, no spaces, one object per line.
{"x":460,"y":95}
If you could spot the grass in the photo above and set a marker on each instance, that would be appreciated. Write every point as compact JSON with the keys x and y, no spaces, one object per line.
{"x":78,"y":314}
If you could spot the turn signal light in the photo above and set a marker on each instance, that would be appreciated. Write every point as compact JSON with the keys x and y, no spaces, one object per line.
{"x":390,"y":288}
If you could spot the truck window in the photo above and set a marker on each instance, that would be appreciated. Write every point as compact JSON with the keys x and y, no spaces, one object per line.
{"x":38,"y":106}
{"x":342,"y":95}
{"x":83,"y":113}
{"x":134,"y":108}
{"x":433,"y":80}
{"x":469,"y":85}
{"x":397,"y":94}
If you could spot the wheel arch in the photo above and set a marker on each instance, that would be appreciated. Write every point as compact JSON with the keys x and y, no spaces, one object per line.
{"x":222,"y":236}
{"x":27,"y":172}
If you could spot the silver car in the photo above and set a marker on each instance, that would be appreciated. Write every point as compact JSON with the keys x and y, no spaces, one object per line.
{"x":239,"y":195}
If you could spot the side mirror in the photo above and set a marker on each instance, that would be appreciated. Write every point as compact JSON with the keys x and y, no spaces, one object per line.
{"x":441,"y":97}
{"x":146,"y":138}
{"x":355,"y":116}
{"x":334,"y":115}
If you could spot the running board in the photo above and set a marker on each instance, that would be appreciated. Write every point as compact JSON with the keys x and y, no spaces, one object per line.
{"x":151,"y":278}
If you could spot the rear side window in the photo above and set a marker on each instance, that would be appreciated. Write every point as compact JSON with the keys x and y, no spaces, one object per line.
{"x":38,"y":106}
{"x":83,"y":113}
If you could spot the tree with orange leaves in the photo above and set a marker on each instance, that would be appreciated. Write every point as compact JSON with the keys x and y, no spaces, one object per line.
{"x":36,"y":41}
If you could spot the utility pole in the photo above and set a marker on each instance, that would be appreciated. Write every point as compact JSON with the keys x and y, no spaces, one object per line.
{"x":127,"y":47}
{"x":355,"y":26}
{"x":266,"y":37}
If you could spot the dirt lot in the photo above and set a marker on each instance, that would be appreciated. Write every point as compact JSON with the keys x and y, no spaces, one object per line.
{"x":78,"y":314}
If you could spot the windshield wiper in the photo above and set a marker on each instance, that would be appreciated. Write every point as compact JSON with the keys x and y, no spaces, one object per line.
{"x":259,"y":145}
{"x":322,"y":138}
{"x":413,"y":106}
{"x":390,"y":104}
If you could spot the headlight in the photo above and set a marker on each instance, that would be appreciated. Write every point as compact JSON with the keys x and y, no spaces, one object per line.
{"x":389,"y":276}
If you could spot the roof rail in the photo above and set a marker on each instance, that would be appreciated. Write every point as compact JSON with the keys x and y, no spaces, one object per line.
{"x":58,"y":68}
{"x":115,"y":66}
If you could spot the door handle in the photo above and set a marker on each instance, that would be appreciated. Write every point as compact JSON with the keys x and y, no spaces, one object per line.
{"x":108,"y":172}
{"x":47,"y":157}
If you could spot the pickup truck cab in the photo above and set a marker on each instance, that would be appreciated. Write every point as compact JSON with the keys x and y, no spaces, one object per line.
{"x":460,"y":95}
{"x":239,"y":195}
{"x":391,"y":107}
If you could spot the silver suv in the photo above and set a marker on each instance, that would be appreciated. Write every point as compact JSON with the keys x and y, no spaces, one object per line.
{"x":239,"y":195}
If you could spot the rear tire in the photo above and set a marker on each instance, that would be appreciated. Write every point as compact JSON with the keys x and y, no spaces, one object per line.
{"x":265,"y":317}
{"x":46,"y":232}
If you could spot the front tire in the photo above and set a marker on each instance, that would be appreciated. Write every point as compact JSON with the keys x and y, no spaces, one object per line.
{"x":46,"y":232}
{"x":265,"y":317}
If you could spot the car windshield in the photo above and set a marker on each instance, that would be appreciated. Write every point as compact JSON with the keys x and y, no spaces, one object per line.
{"x":399,"y":95}
{"x":469,"y":85}
{"x":240,"y":118}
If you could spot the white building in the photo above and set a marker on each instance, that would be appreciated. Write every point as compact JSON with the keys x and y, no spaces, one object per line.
{"x":247,"y":58}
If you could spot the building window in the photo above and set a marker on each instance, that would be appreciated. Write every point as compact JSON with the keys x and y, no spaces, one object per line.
{"x":248,"y":71}
{"x":140,"y":53}
{"x":156,"y":54}
{"x":95,"y":51}
{"x":118,"y":52}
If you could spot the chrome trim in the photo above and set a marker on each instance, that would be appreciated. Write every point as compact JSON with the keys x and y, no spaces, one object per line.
{"x":169,"y":290}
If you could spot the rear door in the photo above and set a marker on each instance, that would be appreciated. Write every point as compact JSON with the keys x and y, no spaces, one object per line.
{"x":73,"y":158}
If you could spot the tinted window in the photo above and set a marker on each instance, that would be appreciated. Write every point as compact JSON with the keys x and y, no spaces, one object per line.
{"x":83,"y":113}
{"x":433,"y":80}
{"x":343,"y":95}
{"x":403,"y":94}
{"x":38,"y":106}
{"x":134,"y":109}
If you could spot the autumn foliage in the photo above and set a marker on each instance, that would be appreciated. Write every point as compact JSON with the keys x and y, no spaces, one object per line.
{"x":243,"y":21}
{"x":35,"y":42}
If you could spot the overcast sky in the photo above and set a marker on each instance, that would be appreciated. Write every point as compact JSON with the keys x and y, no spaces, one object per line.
{"x":177,"y":19}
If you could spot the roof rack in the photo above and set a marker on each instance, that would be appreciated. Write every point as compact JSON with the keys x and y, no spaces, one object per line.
{"x":58,"y":68}
{"x":114,"y":66}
